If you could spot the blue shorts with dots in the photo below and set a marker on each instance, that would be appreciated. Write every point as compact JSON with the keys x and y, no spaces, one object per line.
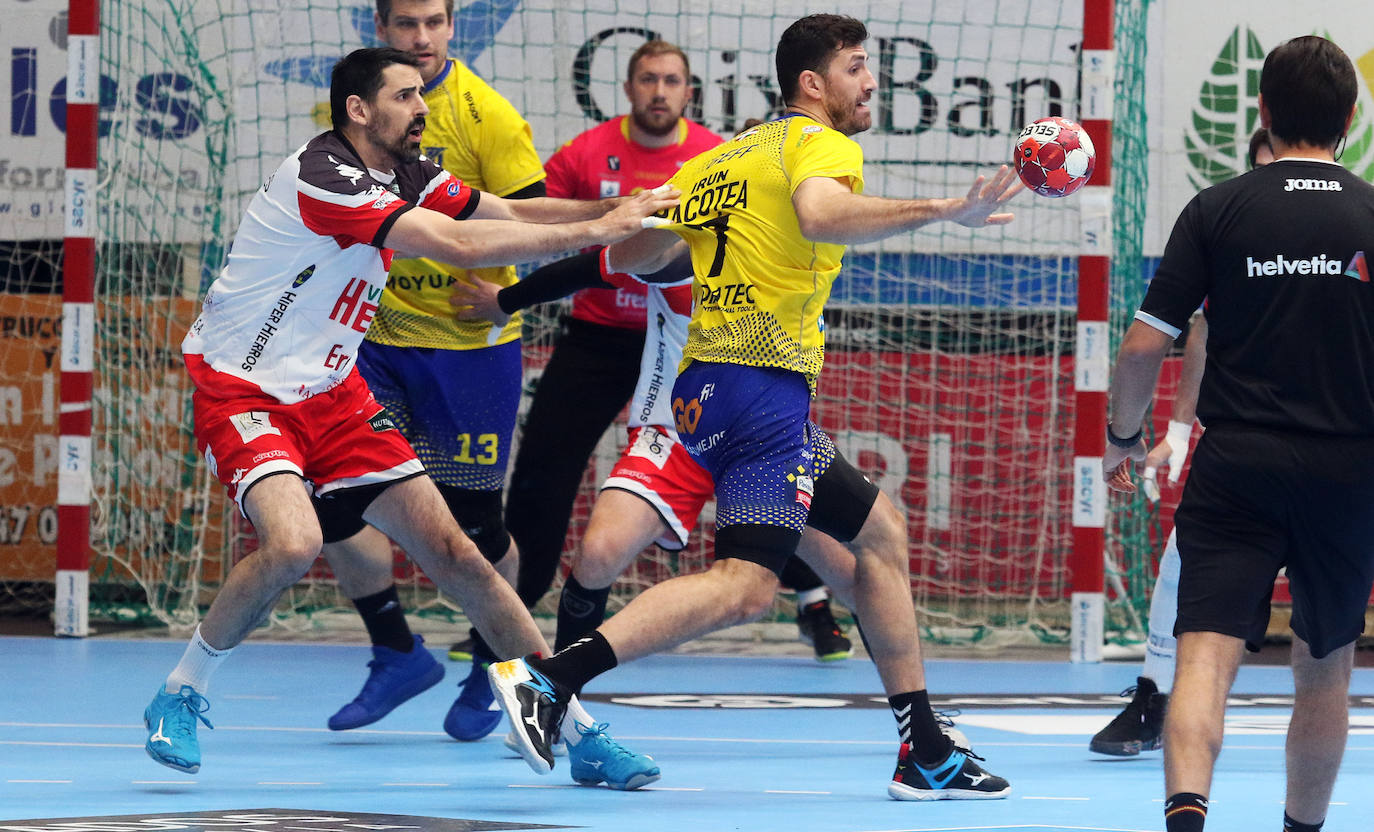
{"x":750,"y":428}
{"x":455,"y":407}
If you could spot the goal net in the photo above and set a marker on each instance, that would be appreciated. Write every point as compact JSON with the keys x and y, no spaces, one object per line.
{"x":949,"y":374}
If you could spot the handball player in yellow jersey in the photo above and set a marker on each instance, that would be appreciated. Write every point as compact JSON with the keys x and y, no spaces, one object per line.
{"x":766,"y":217}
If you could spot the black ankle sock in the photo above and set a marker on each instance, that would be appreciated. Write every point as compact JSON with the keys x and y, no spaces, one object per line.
{"x":481,"y":651}
{"x":385,"y":620}
{"x":579,"y":663}
{"x":1185,"y":812}
{"x":580,"y":611}
{"x":1290,"y":825}
{"x":917,"y":727}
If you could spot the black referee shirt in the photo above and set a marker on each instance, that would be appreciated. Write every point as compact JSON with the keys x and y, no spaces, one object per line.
{"x":1280,"y":255}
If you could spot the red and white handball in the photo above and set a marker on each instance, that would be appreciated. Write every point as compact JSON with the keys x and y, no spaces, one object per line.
{"x":1054,"y":156}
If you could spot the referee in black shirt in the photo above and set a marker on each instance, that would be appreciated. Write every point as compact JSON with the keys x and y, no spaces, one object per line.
{"x":1284,"y":475}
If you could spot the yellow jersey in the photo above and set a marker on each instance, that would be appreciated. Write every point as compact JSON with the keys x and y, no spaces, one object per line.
{"x":475,"y":134}
{"x":759,"y":284}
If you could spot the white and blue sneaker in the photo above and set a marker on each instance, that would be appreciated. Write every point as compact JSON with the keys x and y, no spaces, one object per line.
{"x":171,"y":722}
{"x":956,"y":777}
{"x":535,"y":706}
{"x":597,"y":758}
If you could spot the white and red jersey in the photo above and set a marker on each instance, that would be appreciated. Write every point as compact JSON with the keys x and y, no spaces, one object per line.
{"x":306,"y":272}
{"x":604,"y":162}
{"x":669,"y":307}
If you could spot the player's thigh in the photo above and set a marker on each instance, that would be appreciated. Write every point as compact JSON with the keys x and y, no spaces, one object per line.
{"x":622,"y":525}
{"x":1232,"y":537}
{"x":279,"y":508}
{"x":1331,"y":547}
{"x":413,"y":513}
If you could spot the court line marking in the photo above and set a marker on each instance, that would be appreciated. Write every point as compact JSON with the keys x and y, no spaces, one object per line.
{"x":54,"y":744}
{"x":38,"y":781}
{"x":289,"y":783}
{"x":163,"y":782}
{"x":436,"y":785}
{"x":1045,"y":826}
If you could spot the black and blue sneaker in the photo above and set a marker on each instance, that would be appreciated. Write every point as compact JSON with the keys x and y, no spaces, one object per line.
{"x":535,"y":705}
{"x":956,"y":777}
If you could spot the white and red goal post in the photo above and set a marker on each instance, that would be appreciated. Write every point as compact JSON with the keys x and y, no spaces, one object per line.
{"x":71,"y":613}
{"x":1092,"y":357}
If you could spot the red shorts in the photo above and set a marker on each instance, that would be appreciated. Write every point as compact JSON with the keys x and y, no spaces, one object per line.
{"x":657,"y":468}
{"x":338,"y":439}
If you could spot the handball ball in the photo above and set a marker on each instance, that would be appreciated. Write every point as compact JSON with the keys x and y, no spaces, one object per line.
{"x":1054,"y":156}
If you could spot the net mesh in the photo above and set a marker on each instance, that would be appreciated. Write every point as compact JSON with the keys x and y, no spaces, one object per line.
{"x":949,"y":369}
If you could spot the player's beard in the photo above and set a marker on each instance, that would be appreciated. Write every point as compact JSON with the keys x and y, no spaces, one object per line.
{"x":655,"y":124}
{"x":845,"y":115}
{"x":404,"y":148}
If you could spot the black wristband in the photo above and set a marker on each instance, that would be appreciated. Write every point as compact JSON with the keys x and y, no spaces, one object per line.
{"x":1127,"y":442}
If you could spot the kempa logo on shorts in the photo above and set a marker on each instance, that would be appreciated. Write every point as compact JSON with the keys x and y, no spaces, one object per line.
{"x":253,"y":424}
{"x":1282,"y":266}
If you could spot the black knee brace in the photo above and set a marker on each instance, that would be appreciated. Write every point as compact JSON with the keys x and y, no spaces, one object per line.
{"x":479,"y":513}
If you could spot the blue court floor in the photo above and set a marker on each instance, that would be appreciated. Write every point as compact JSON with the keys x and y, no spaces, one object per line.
{"x":762,"y":743}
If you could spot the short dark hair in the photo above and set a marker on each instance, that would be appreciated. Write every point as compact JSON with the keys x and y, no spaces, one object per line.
{"x":654,"y":48}
{"x":360,"y":73}
{"x":810,"y":43}
{"x":384,"y":9}
{"x":1259,"y":139}
{"x":1309,"y":87}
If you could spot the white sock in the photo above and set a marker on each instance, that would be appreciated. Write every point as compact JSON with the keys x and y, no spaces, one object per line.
{"x":811,"y":596}
{"x":575,"y":714}
{"x":197,"y":663}
{"x":1161,"y":646}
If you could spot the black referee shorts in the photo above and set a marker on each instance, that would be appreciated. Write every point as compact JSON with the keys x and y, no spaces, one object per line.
{"x":1258,"y":500}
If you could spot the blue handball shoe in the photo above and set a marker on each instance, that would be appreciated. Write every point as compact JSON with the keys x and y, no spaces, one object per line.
{"x":474,"y":714}
{"x":599,"y":759}
{"x":171,"y":722}
{"x":394,"y":678}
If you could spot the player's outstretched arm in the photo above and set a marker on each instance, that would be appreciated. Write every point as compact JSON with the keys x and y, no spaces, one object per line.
{"x":544,"y":209}
{"x":476,"y":243}
{"x":829,"y":212}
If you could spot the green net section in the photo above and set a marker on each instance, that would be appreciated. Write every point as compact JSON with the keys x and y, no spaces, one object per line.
{"x":949,"y":373}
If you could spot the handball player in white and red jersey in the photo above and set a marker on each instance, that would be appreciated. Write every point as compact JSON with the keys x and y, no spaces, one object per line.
{"x":279,"y":413}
